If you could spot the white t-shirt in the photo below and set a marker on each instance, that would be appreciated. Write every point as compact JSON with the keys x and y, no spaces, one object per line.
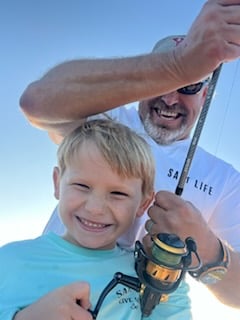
{"x":212,"y":185}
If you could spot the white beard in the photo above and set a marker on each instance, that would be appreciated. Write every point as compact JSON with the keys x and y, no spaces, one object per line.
{"x":161,"y":135}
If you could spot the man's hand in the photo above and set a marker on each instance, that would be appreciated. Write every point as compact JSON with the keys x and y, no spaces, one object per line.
{"x":171,"y":214}
{"x":60,"y":304}
{"x":213,"y":38}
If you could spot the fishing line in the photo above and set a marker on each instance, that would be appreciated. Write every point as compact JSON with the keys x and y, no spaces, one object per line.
{"x":197,"y":131}
{"x":226,"y":110}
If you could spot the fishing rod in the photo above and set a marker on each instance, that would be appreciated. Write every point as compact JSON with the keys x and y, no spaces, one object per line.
{"x":160,"y":272}
{"x":197,"y":131}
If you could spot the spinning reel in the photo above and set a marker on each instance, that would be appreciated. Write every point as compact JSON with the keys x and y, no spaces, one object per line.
{"x":159,"y":273}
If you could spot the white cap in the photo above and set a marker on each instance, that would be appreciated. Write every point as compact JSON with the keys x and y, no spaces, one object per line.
{"x":168,"y":43}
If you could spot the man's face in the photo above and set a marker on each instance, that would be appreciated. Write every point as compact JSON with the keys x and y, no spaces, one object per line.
{"x":171,"y":117}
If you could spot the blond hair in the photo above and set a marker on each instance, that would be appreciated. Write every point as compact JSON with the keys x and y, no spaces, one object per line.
{"x":127,"y":153}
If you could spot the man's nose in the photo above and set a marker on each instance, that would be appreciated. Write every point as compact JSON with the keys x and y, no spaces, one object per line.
{"x":171,"y":98}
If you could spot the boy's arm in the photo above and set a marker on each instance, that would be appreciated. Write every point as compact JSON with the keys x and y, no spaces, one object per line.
{"x":60,"y":304}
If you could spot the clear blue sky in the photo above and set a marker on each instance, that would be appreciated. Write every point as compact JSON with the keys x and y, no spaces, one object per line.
{"x":36,"y":35}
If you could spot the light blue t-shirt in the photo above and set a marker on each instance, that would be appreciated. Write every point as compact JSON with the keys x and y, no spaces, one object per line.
{"x":30,"y":269}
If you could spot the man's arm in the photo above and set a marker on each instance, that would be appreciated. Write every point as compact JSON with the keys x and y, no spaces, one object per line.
{"x":228,"y":289}
{"x":76,"y":89}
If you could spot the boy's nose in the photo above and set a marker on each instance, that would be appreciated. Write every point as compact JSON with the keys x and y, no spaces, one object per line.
{"x":171,"y":98}
{"x":95,"y":204}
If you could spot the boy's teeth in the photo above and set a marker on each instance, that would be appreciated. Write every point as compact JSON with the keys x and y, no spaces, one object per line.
{"x":93,"y":224}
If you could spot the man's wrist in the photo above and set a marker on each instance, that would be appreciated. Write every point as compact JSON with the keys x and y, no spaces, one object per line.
{"x":211,"y":273}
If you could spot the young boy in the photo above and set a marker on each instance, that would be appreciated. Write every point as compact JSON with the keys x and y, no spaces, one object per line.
{"x":104,"y":181}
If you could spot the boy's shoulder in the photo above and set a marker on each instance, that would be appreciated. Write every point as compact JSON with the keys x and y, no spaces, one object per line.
{"x":21,"y":247}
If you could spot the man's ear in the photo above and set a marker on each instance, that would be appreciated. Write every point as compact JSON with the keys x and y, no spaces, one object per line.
{"x":145,"y":204}
{"x":56,"y":181}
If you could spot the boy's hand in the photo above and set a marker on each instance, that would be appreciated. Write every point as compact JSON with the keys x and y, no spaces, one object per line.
{"x":60,"y":304}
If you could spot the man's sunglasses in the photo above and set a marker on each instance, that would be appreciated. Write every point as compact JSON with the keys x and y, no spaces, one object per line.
{"x":192,"y":88}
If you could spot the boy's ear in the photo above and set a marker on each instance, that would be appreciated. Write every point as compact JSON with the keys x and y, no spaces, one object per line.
{"x":56,"y":181}
{"x":145,"y":204}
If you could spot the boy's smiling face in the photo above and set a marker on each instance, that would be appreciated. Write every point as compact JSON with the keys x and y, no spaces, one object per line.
{"x":96,"y":204}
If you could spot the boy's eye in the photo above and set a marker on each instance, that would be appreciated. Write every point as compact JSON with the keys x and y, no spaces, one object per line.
{"x":80,"y":185}
{"x":119,"y":193}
